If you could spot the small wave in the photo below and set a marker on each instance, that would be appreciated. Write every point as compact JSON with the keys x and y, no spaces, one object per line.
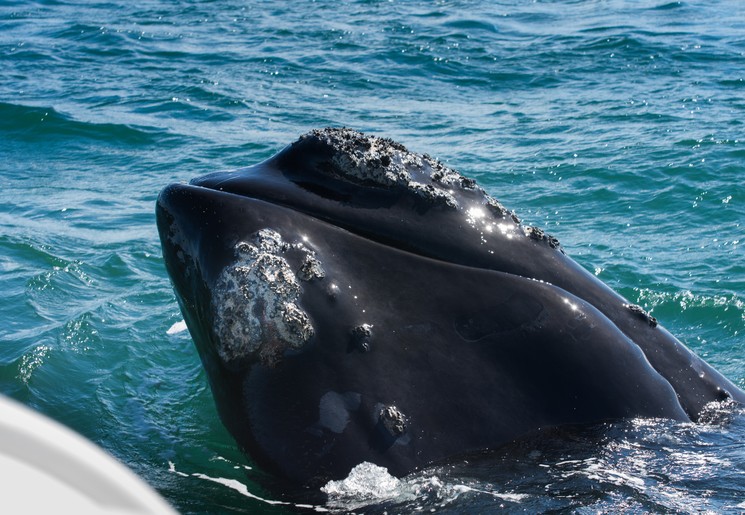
{"x":687,"y":299}
{"x":623,"y":41}
{"x":668,"y":6}
{"x":732,"y":83}
{"x":32,"y":123}
{"x":471,"y":24}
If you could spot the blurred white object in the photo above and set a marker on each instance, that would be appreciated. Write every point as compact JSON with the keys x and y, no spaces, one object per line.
{"x":47,"y":468}
{"x":178,"y":327}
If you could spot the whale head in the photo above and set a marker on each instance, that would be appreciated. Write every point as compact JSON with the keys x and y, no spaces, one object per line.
{"x":354,"y":301}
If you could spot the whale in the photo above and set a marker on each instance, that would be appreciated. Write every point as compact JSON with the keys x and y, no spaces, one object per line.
{"x":352,"y":301}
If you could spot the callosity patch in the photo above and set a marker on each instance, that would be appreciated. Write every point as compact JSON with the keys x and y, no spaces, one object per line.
{"x":255,"y":300}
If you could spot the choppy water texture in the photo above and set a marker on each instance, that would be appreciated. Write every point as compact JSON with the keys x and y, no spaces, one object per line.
{"x":618,"y":126}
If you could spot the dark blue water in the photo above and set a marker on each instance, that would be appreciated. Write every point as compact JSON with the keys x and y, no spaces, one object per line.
{"x":618,"y":126}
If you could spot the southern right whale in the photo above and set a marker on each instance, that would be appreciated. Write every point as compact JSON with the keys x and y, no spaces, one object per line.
{"x":353,"y":301}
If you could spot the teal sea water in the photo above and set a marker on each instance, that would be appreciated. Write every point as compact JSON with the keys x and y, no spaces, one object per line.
{"x":617,"y":126}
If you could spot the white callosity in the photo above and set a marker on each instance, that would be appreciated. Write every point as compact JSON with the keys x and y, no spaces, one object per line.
{"x":254,"y":303}
{"x":382,"y":162}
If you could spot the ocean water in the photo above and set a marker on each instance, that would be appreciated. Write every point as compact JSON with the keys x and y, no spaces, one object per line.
{"x":617,"y":126}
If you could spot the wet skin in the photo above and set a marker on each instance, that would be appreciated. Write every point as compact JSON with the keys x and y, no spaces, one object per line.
{"x":352,"y":301}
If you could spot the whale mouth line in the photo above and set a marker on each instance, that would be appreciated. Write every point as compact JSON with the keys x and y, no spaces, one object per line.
{"x":329,"y":194}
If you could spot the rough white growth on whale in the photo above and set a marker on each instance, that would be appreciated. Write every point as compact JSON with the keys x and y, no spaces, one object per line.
{"x":255,"y":301}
